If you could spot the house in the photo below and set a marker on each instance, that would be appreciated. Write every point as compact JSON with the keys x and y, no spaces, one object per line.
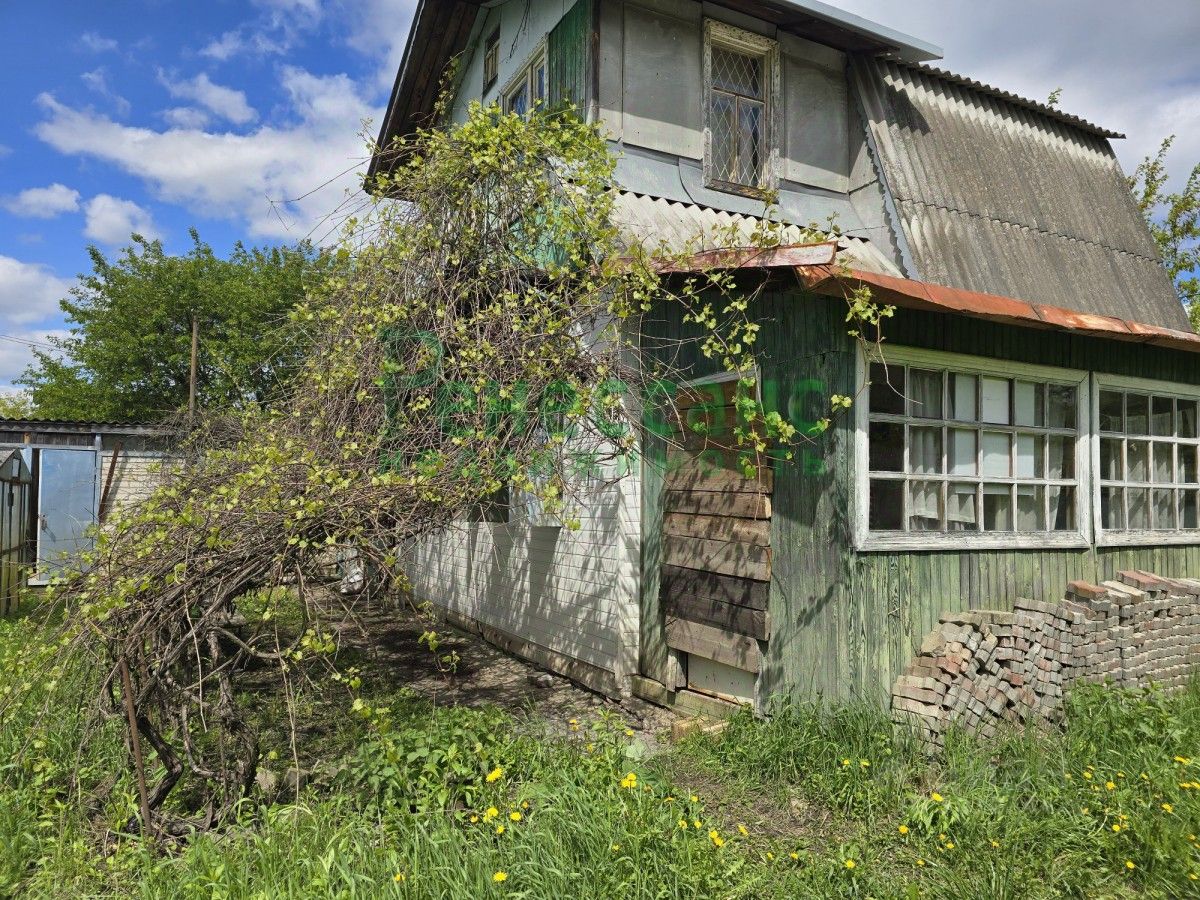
{"x":1033,"y":420}
{"x":78,"y":473}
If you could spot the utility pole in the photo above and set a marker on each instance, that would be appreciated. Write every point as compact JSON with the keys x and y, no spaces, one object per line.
{"x":192,"y":370}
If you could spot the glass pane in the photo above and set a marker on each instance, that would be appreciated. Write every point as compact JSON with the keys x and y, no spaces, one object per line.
{"x":960,"y":508}
{"x":1139,"y":508}
{"x":1162,"y":416}
{"x":887,"y":389}
{"x":539,"y":81}
{"x":887,"y":505}
{"x":963,"y":456}
{"x":750,"y":116}
{"x":1187,"y":464}
{"x":925,"y":393}
{"x":995,"y":403}
{"x":1112,"y":416}
{"x":1112,"y":508}
{"x":997,"y":454}
{"x":1111,"y":464}
{"x":1060,"y":407}
{"x":724,"y":127}
{"x":1186,"y":418}
{"x":1189,"y":509}
{"x":1028,"y":402}
{"x":1164,"y":510}
{"x":1062,"y":508}
{"x":1030,"y":508}
{"x":736,"y":72}
{"x":885,"y":450}
{"x":1062,"y":457}
{"x":1139,"y":460}
{"x":1164,"y":462}
{"x":925,"y":506}
{"x":1137,"y":414}
{"x":962,"y":394}
{"x":518,"y":101}
{"x":925,"y":451}
{"x":1028,"y":463}
{"x":997,"y":507}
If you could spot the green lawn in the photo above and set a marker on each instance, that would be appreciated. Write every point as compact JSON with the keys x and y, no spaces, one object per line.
{"x":421,"y":801}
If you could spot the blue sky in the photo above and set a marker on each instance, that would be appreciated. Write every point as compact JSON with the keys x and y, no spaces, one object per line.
{"x":152,"y":115}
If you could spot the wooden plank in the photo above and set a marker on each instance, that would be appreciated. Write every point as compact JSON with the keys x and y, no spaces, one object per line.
{"x":702,"y":475}
{"x":718,"y":503}
{"x":713,"y":394}
{"x":719,"y":528}
{"x":735,"y":650}
{"x":755,"y":623}
{"x":722,"y":557}
{"x":680,"y":582}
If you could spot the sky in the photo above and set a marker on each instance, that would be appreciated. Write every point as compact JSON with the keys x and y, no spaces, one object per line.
{"x":243,"y":118}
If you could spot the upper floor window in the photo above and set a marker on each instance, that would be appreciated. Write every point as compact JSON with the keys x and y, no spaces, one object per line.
{"x":741,"y":77}
{"x":1148,"y":441}
{"x":491,"y":60}
{"x":528,"y":89}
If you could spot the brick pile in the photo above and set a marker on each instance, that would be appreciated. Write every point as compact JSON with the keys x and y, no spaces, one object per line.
{"x":984,"y":668}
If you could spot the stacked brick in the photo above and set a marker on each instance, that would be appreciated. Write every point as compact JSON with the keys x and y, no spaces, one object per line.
{"x":984,"y":668}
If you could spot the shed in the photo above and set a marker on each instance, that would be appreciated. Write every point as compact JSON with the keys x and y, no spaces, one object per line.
{"x":15,"y":491}
{"x":78,"y":472}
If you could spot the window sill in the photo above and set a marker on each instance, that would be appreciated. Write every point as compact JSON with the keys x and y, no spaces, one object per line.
{"x":742,"y":190}
{"x":884,"y":542}
{"x":1147,"y":538}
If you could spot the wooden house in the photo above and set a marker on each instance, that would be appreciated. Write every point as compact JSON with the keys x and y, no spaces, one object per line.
{"x":1033,"y":420}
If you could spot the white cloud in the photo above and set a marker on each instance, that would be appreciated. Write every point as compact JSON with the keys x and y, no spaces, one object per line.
{"x":43,"y":203}
{"x":225,"y":47}
{"x":111,"y":220}
{"x":97,"y":81}
{"x":225,"y":102}
{"x":29,"y":292}
{"x":185,"y":117}
{"x":96,"y":43}
{"x":379,"y":29}
{"x":16,"y":350}
{"x":232,"y":175}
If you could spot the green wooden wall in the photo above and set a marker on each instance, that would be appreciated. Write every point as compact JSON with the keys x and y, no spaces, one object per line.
{"x":570,"y":56}
{"x":845,"y":623}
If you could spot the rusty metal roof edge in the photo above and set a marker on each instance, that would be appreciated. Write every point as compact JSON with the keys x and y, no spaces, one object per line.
{"x":936,"y":297}
{"x":8,"y":423}
{"x":1016,"y":99}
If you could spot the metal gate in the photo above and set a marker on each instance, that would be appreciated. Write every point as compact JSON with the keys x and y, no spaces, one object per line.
{"x":66,"y":508}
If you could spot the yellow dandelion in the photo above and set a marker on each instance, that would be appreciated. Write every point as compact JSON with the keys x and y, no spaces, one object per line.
{"x":1110,"y":785}
{"x":616,"y":847}
{"x":949,"y":845}
{"x":500,"y":876}
{"x":695,"y":799}
{"x":1068,"y":776}
{"x":794,"y":855}
{"x":668,"y":799}
{"x":628,"y":732}
{"x":591,"y":747}
{"x":524,"y":804}
{"x":1129,"y":864}
{"x":849,"y":864}
{"x":683,"y":823}
{"x":903,"y":829}
{"x":942,"y":836}
{"x":629,"y":781}
{"x":1087,"y":775}
{"x":1145,"y":777}
{"x":398,"y":877}
{"x":491,"y":813}
{"x":515,"y":816}
{"x":1116,"y":827}
{"x":995,"y":844}
{"x":1193,"y":876}
{"x":572,"y":721}
{"x":845,"y":762}
{"x":717,"y":840}
{"x":1183,"y":760}
{"x":936,"y":797}
{"x":499,"y":829}
{"x":920,"y":862}
{"x":1167,"y":807}
{"x":770,"y":856}
{"x":864,"y":763}
{"x":698,"y":824}
{"x":743,"y":830}
{"x":495,"y":775}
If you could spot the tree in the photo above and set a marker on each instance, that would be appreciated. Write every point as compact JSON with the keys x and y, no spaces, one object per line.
{"x":128,"y":357}
{"x":1174,"y":220}
{"x":15,"y":405}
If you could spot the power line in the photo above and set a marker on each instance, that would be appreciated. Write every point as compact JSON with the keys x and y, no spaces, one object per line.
{"x":27,"y":342}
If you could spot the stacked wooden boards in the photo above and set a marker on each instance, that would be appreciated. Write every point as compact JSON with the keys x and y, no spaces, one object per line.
{"x":716,"y":537}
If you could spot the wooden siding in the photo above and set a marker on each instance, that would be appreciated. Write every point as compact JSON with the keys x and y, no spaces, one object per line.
{"x":845,"y":623}
{"x":570,"y":55}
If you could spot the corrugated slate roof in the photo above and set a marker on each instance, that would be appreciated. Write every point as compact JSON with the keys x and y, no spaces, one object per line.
{"x":997,"y":196}
{"x":652,"y":221}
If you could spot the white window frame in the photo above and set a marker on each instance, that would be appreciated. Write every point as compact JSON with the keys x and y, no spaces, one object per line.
{"x":867,"y":540}
{"x":1139,"y":537}
{"x":524,"y":77}
{"x":751,"y":44}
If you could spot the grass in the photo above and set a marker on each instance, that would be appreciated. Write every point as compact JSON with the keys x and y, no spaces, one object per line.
{"x":422,"y":801}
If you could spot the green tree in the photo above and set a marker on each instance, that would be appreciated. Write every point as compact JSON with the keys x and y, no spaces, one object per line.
{"x":15,"y":405}
{"x":1174,"y":220}
{"x":128,"y":355}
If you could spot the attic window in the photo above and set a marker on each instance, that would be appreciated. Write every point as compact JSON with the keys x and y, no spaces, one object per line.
{"x":491,"y":60}
{"x":741,"y":73}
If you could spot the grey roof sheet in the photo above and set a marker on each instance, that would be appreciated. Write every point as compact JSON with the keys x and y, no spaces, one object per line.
{"x":998,"y":197}
{"x":676,"y":226}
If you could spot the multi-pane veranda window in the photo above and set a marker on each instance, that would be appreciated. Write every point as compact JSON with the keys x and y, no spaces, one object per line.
{"x":1149,"y":470}
{"x":737,"y":116}
{"x":952,"y":451}
{"x":529,"y":89}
